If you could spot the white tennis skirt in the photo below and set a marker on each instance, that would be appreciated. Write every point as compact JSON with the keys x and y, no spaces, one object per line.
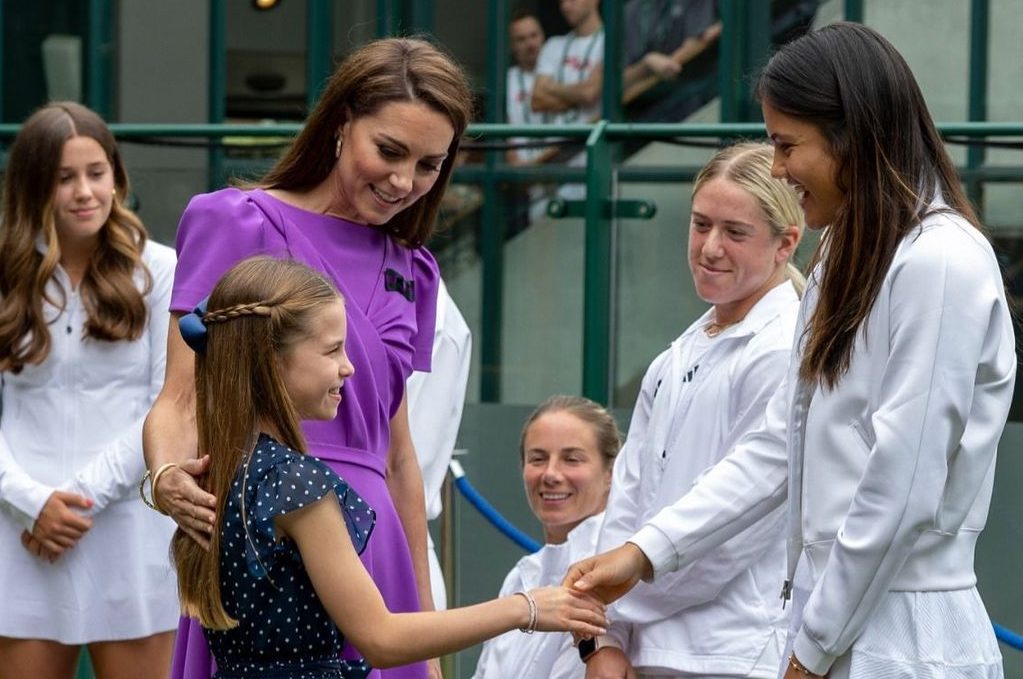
{"x":117,"y":583}
{"x":914,"y":635}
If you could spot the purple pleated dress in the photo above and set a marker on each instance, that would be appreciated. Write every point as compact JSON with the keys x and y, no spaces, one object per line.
{"x":390,"y":296}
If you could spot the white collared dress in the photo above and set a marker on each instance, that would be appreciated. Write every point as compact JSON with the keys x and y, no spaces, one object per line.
{"x":74,"y":423}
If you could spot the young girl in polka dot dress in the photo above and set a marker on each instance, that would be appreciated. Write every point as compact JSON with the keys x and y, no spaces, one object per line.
{"x":282,"y":584}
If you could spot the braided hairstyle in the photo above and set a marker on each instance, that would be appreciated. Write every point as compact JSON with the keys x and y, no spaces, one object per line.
{"x":256,"y":313}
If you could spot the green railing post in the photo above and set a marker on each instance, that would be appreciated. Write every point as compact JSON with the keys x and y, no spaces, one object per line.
{"x":493,"y":220}
{"x":319,"y":48}
{"x":744,"y":43}
{"x":497,"y":38}
{"x":98,"y":43}
{"x":597,"y":269}
{"x":756,"y":48}
{"x":217,"y":87}
{"x":420,"y":15}
{"x":979,"y":35}
{"x":729,"y":72}
{"x":611,"y":94}
{"x":388,"y":18}
{"x":3,"y":112}
{"x":853,"y":11}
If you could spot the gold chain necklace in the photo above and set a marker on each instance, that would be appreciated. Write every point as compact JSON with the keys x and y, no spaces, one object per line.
{"x":713,"y":329}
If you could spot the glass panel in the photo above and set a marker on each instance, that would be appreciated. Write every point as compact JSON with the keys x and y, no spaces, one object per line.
{"x":1005,"y":68}
{"x":266,"y":61}
{"x":543,"y":311}
{"x":44,"y":54}
{"x":941,"y":66}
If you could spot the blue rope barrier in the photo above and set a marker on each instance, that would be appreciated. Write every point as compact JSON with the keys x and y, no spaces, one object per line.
{"x":489,"y":513}
{"x":1003,"y":634}
{"x":1008,"y":637}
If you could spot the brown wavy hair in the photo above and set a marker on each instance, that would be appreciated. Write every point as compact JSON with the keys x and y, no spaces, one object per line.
{"x":256,"y":312}
{"x":852,"y":84}
{"x":381,"y":72}
{"x":113,"y":302}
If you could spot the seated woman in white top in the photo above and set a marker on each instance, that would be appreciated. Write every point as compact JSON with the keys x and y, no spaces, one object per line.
{"x":719,"y":617}
{"x":568,"y":448}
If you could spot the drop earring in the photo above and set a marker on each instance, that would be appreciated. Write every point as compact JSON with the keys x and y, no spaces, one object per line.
{"x":337,"y":149}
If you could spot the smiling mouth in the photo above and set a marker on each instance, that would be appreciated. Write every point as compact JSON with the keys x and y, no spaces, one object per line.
{"x":384,"y":197}
{"x":554,"y":497}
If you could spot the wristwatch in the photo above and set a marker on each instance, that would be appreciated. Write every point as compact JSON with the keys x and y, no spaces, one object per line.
{"x":587,"y":647}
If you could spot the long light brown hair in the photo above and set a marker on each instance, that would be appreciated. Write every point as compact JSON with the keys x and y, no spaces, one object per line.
{"x":255,"y":314}
{"x":114,"y":303}
{"x":748,"y":165}
{"x":379,"y":73}
{"x":853,"y":85}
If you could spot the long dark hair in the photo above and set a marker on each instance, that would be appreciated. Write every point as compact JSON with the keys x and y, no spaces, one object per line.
{"x":112,"y":298}
{"x":853,"y":85}
{"x":381,"y":72}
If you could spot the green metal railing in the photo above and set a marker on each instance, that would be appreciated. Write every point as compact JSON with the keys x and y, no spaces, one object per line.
{"x":599,"y":211}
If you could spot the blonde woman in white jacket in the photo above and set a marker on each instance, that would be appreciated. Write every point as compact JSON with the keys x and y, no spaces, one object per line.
{"x":568,"y":447}
{"x":719,"y":616}
{"x":883,"y":437}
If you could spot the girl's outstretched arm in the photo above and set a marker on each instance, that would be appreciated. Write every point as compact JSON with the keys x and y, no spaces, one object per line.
{"x":387,"y":639}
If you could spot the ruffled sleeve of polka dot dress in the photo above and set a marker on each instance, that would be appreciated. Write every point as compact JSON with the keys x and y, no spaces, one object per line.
{"x":278,"y":481}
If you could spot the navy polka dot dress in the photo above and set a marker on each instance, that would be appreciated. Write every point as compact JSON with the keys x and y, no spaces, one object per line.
{"x":283,"y":632}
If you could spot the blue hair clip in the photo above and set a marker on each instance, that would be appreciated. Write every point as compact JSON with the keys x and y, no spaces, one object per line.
{"x":193,"y":329}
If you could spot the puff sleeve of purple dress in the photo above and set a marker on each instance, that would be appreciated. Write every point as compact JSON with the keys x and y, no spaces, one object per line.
{"x":390,"y":296}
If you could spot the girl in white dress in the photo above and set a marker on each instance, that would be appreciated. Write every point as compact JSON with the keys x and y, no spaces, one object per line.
{"x":83,"y":322}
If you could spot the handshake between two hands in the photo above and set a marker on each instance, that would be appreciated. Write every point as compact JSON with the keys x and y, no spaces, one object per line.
{"x":593,"y":582}
{"x":608,"y":577}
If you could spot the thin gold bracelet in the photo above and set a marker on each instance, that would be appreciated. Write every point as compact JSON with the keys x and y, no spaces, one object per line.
{"x":156,"y":481}
{"x":799,"y":667}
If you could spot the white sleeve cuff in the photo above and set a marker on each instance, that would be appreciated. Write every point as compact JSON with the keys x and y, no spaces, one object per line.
{"x":810,"y":655}
{"x":617,"y":636}
{"x":658,"y":548}
{"x":25,"y":501}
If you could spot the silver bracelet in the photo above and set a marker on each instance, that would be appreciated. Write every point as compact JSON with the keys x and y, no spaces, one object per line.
{"x":531,"y":625}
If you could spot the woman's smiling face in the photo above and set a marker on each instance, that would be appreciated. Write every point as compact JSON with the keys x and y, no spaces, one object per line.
{"x":566,"y":477}
{"x":803,"y":158}
{"x":389,"y":160}
{"x":734,"y":255}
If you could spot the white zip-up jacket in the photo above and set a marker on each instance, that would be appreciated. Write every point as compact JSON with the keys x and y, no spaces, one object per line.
{"x":718,"y":614}
{"x":74,"y":422}
{"x":889,"y":475}
{"x":550,"y":655}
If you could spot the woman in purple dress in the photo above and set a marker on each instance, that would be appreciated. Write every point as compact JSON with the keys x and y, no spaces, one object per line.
{"x":355,"y":197}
